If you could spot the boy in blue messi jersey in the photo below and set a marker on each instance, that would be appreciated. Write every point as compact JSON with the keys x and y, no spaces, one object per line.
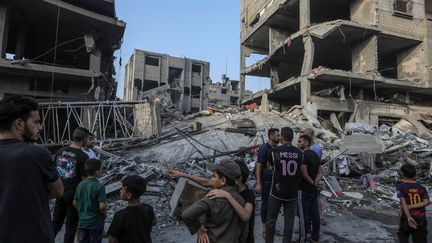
{"x":413,"y":201}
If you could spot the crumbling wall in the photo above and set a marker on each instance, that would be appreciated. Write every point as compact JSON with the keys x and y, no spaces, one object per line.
{"x":413,"y":25}
{"x":364,"y":11}
{"x":411,"y":64}
{"x":365,"y":55}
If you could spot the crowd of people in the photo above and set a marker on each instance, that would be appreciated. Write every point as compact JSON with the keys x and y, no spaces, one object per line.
{"x":287,"y":175}
{"x":30,"y":177}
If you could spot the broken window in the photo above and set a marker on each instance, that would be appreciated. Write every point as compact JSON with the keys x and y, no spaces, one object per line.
{"x":152,"y":61}
{"x":196,"y":91}
{"x":186,"y":91}
{"x":45,"y":86}
{"x":150,"y":84}
{"x":402,"y":7}
{"x":138,"y":84}
{"x":196,"y":68}
{"x":234,"y":100}
{"x":428,"y":8}
{"x":195,"y":109}
{"x":224,"y":91}
{"x":174,"y":75}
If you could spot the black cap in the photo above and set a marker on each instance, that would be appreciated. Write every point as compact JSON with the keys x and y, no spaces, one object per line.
{"x":228,"y":167}
{"x":135,"y":183}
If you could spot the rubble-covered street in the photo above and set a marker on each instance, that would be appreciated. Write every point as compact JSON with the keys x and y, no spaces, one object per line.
{"x":361,"y":163}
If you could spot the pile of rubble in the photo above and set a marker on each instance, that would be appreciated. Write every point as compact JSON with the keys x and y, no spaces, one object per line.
{"x":361,"y":161}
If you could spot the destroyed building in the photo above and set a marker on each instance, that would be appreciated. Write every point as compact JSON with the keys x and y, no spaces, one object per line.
{"x":366,"y":60}
{"x":59,"y":50}
{"x":226,"y":93}
{"x":149,"y":74}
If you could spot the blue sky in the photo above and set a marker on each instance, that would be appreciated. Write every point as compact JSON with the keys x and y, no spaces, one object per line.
{"x":200,"y":29}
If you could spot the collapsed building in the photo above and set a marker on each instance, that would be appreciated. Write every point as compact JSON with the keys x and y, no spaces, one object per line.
{"x":365,"y":60}
{"x":150,"y":75}
{"x":226,"y":93}
{"x":59,"y":50}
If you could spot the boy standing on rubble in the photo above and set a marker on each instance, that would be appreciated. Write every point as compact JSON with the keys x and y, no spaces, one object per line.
{"x":246,"y":212}
{"x":90,"y":201}
{"x":133,"y":224}
{"x":413,"y":201}
{"x":312,"y":173}
{"x":221,"y":222}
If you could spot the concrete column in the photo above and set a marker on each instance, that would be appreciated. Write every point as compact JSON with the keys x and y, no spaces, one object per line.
{"x":428,"y":53}
{"x":305,"y":17}
{"x":308,"y":59}
{"x":242,"y":76}
{"x":305,"y":89}
{"x":4,"y":27}
{"x":95,"y":61}
{"x":276,"y":38}
{"x":21,"y":40}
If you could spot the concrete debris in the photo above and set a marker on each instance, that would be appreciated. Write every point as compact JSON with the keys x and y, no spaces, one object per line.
{"x":409,"y":124}
{"x":358,"y":143}
{"x":185,"y":194}
{"x":360,"y":128}
{"x":361,"y":169}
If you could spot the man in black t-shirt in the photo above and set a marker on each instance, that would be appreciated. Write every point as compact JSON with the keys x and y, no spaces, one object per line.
{"x":264,"y":171}
{"x":70,"y":166}
{"x":285,"y":185}
{"x":28,"y":176}
{"x":134,"y":223}
{"x":312,"y":172}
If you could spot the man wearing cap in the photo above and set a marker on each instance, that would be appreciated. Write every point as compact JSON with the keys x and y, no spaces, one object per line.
{"x":221,"y":221}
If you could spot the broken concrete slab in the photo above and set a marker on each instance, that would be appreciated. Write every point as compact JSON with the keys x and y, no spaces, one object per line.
{"x":410,"y":124}
{"x":185,"y":194}
{"x":116,"y":186}
{"x":358,"y":143}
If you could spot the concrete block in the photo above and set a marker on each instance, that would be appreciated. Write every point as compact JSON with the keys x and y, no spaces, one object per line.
{"x":358,"y":143}
{"x":185,"y":194}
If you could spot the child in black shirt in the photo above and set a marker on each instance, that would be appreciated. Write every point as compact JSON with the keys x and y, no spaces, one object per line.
{"x":134,"y":223}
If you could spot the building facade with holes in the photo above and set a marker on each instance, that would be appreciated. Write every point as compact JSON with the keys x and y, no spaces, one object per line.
{"x":362,"y":60}
{"x":59,"y":50}
{"x":185,"y":80}
{"x":226,"y":93}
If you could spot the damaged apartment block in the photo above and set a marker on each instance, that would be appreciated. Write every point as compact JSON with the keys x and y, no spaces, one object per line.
{"x":364,"y":60}
{"x":226,"y":93}
{"x":59,"y":50}
{"x":179,"y":82}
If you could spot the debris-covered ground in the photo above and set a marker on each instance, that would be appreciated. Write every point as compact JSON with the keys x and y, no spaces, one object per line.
{"x":361,"y":164}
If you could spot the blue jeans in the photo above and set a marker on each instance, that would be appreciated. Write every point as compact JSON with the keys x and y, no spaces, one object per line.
{"x":92,"y":235}
{"x":311,"y":213}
